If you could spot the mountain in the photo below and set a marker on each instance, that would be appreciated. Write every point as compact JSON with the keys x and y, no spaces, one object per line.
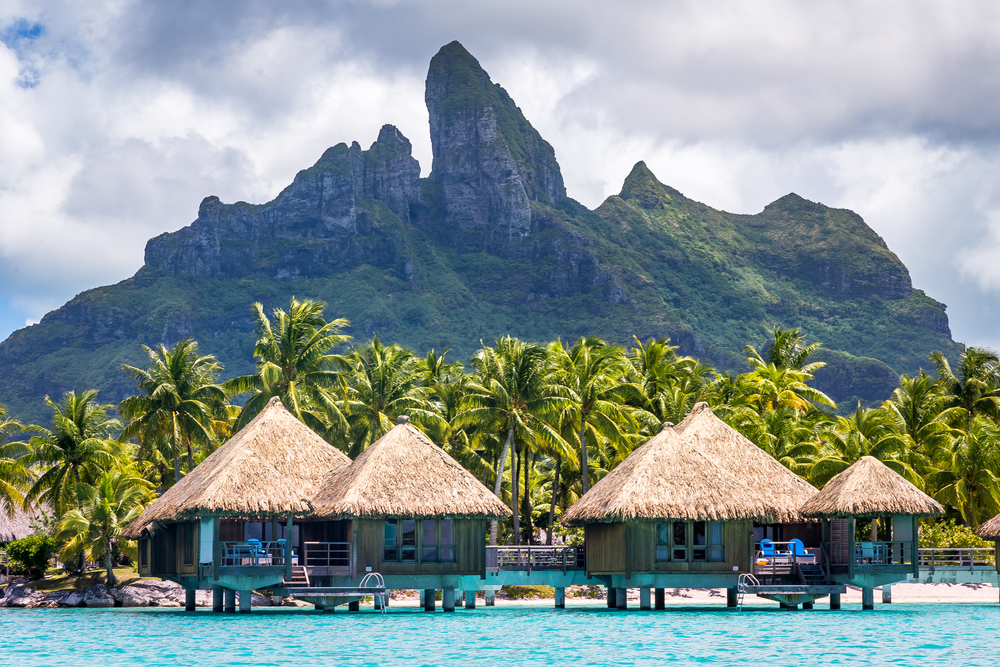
{"x":491,"y":244}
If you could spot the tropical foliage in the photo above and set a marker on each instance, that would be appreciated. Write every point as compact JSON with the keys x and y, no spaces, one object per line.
{"x":538,"y":424}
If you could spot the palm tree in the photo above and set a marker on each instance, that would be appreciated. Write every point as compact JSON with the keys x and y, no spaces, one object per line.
{"x":513,"y":394}
{"x":15,"y":477}
{"x":295,"y":364}
{"x":783,"y":433}
{"x":867,"y":432}
{"x":93,"y":529}
{"x":599,"y":393}
{"x":670,"y":384}
{"x":786,"y":349}
{"x":77,"y":450}
{"x":178,"y":403}
{"x":771,"y":388}
{"x":966,"y":476}
{"x":976,"y":386}
{"x":384,"y":383}
{"x":921,"y":406}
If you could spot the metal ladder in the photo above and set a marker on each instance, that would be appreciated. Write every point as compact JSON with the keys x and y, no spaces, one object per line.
{"x":380,"y":599}
{"x":745,"y":581}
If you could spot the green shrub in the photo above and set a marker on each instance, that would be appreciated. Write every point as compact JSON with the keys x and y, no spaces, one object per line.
{"x":30,"y":555}
{"x":949,"y":535}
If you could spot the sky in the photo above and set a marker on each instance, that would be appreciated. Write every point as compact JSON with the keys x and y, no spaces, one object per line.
{"x":118,"y":117}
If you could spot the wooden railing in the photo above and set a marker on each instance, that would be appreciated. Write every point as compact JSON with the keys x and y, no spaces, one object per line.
{"x":251,"y":553}
{"x":535,"y":558}
{"x":326,"y":554}
{"x":964,"y":558}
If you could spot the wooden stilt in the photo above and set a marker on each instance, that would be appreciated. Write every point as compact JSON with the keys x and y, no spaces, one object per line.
{"x":230,"y":601}
{"x":470,"y":599}
{"x":621,"y":599}
{"x":490,"y":598}
{"x":612,"y":597}
{"x":867,"y":598}
{"x":807,"y":605}
{"x":354,"y":606}
{"x":886,"y":594}
{"x":834,"y":601}
{"x":560,"y":598}
{"x":448,"y":599}
{"x":731,"y":597}
{"x":661,"y":598}
{"x":190,"y":599}
{"x":246,"y":597}
{"x":644,"y":599}
{"x":218,"y":595}
{"x":429,"y":602}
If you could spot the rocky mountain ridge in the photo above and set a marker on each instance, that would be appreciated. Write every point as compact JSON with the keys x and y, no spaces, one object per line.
{"x":491,"y":244}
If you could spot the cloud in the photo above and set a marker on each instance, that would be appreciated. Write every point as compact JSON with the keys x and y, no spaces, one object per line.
{"x":117,"y":117}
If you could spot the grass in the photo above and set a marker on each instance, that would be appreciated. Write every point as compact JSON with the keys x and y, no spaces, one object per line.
{"x":59,"y":580}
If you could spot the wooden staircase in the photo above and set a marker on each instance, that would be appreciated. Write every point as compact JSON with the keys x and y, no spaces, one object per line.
{"x":299,"y":578}
{"x":812,"y":574}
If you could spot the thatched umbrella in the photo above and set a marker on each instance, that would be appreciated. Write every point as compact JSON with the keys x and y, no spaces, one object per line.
{"x":990,"y":530}
{"x":782,"y":488}
{"x":405,"y":475}
{"x":870,"y":489}
{"x":271,"y":467}
{"x":668,"y":479}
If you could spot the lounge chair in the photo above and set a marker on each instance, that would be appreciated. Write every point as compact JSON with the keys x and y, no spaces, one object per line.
{"x":767,"y":547}
{"x":868,"y":552}
{"x":798,"y":549}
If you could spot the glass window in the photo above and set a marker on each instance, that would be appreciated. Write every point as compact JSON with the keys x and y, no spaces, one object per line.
{"x":663,"y":541}
{"x":698,"y":541}
{"x":446,"y":540}
{"x":391,"y":552}
{"x":679,"y":551}
{"x":408,"y":548}
{"x":429,"y":553}
{"x":716,"y":552}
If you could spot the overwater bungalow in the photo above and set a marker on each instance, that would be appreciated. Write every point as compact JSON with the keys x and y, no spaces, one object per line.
{"x":991,"y":531}
{"x":414,"y":515}
{"x":228,"y":525}
{"x":682,"y":510}
{"x":869,"y":491}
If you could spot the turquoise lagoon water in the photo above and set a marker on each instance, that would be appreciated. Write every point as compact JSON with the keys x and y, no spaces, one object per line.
{"x":897,"y":634}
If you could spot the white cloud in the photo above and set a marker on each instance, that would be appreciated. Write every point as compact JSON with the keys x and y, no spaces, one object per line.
{"x":140,"y":109}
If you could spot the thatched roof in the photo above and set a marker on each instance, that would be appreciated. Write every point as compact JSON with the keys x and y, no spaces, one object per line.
{"x":869,"y":489}
{"x":667,"y":478}
{"x":16,"y":527}
{"x":991,"y":529}
{"x":272,"y":467}
{"x":770,"y":480}
{"x":405,"y":475}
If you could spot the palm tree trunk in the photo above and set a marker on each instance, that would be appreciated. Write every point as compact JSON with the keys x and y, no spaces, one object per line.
{"x":555,"y":494}
{"x":496,"y":486}
{"x":109,"y":564}
{"x":583,"y":454}
{"x":527,"y":495}
{"x":175,"y":452}
{"x":515,"y":483}
{"x":190,"y":451}
{"x":874,"y":530}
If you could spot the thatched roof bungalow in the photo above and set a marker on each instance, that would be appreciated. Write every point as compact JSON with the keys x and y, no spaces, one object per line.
{"x":869,"y":489}
{"x":268,"y":472}
{"x":18,"y":526}
{"x":409,"y":511}
{"x":990,"y":530}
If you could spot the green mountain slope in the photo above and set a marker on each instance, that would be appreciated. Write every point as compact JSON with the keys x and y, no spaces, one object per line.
{"x":490,"y":244}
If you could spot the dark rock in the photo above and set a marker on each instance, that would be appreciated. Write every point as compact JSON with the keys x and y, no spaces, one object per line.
{"x":98,"y":596}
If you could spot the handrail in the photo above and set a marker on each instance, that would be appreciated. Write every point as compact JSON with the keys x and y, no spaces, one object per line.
{"x":326,"y":554}
{"x":536,"y":557}
{"x":957,"y":557}
{"x":251,"y":553}
{"x":379,"y":583}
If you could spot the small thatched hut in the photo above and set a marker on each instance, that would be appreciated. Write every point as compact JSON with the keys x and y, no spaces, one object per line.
{"x":869,"y":489}
{"x":407,"y":508}
{"x":991,"y":531}
{"x":266,"y":473}
{"x":686,"y":501}
{"x":17,"y":526}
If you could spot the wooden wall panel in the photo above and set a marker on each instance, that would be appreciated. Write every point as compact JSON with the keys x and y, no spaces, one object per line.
{"x":606,"y":548}
{"x":641,"y":547}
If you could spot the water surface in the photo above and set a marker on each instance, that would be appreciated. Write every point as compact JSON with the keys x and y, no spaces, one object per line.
{"x":593,"y":635}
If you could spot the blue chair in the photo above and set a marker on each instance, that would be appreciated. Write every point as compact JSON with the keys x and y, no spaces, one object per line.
{"x":798,"y":549}
{"x":767,"y":547}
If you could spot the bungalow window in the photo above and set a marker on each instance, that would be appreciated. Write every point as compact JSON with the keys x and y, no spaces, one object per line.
{"x":400,"y":541}
{"x":684,"y":541}
{"x":438,"y":541}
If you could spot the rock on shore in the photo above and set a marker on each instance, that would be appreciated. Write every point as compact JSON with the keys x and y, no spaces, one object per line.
{"x":146,"y":593}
